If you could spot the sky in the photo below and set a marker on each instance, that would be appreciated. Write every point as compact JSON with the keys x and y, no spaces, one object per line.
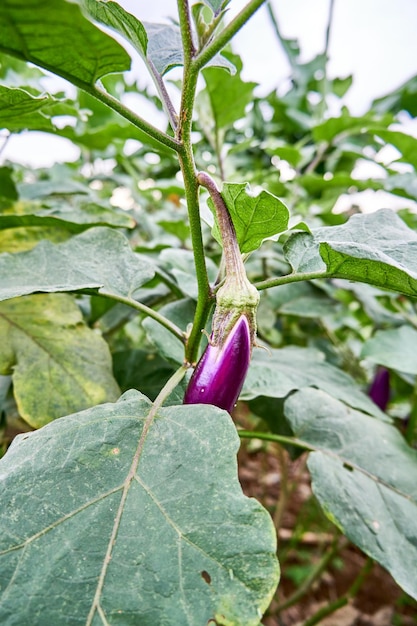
{"x":375,"y":40}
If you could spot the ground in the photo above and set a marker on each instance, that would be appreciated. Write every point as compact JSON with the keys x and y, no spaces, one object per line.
{"x":317,"y":563}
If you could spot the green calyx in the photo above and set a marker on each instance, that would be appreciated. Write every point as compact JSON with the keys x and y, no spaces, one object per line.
{"x":236,"y":297}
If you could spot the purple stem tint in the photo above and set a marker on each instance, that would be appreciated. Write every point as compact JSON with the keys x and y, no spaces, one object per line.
{"x":379,"y":390}
{"x":220,"y":373}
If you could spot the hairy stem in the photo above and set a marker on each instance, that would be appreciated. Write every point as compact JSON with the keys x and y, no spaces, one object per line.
{"x":191,"y":185}
{"x":151,"y":130}
{"x":163,"y":94}
{"x":290,"y":278}
{"x":166,"y":323}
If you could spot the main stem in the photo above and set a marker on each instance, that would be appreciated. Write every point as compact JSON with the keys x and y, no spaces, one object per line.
{"x":191,"y":185}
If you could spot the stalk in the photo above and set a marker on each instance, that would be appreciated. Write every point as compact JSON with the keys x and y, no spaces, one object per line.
{"x":189,"y":172}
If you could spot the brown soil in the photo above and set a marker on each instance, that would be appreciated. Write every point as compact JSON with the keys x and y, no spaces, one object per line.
{"x":304,"y":536}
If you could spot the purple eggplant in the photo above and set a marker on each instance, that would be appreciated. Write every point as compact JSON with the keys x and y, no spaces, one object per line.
{"x":220,"y":373}
{"x":379,"y":390}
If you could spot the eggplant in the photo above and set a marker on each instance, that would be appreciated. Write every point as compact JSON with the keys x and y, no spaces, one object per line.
{"x":379,"y":390}
{"x":220,"y":373}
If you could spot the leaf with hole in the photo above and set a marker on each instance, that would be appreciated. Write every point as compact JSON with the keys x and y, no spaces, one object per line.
{"x":365,"y":478}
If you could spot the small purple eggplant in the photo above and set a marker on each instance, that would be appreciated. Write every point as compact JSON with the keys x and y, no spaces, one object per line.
{"x":379,"y":390}
{"x":220,"y":373}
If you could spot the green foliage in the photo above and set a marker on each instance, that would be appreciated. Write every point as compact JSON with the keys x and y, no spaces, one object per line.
{"x":98,"y":472}
{"x":109,"y":270}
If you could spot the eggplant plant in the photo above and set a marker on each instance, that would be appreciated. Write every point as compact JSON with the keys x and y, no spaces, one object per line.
{"x":120,"y":501}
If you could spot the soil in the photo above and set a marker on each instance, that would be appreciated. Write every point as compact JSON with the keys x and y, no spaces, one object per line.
{"x":304,"y":536}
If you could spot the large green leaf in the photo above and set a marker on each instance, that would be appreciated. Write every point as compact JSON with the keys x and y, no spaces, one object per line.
{"x":277,"y":373}
{"x":365,"y":477}
{"x":137,"y":517}
{"x":114,"y":16}
{"x":377,"y":248}
{"x":75,"y":216}
{"x":225,"y":97}
{"x":54,"y":34}
{"x":98,"y":259}
{"x":255,"y":217}
{"x":20,"y":110}
{"x":395,"y":348}
{"x":58,"y":364}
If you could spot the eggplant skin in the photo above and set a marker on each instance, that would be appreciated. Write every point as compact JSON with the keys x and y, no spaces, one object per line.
{"x":379,"y":390}
{"x":221,"y":371}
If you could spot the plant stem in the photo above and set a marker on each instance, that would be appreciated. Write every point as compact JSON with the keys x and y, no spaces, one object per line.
{"x":292,"y":441}
{"x":221,"y":40}
{"x":169,"y":386}
{"x":291,"y":278}
{"x":284,"y":42}
{"x":306,"y":585}
{"x":283,"y":488}
{"x":189,"y":172}
{"x":136,"y":120}
{"x":205,"y":297}
{"x":166,"y":323}
{"x":163,"y":94}
{"x":343,"y":600}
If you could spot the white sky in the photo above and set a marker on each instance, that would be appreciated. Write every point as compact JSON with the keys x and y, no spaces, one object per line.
{"x":375,"y":40}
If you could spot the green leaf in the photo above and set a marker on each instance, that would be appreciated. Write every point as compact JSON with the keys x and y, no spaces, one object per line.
{"x":279,"y":372}
{"x":19,"y":110}
{"x":406,"y":144}
{"x":114,"y":16}
{"x":349,"y":124}
{"x":365,"y":478}
{"x":139,"y":518}
{"x":99,"y":259}
{"x":377,"y":248}
{"x":56,"y":36}
{"x":255,"y":217}
{"x":227,"y":97}
{"x":402,"y":99}
{"x":74,"y":217}
{"x":395,"y":348}
{"x":216,"y":5}
{"x":164,"y":46}
{"x":58,"y":364}
{"x":7,"y":185}
{"x":169,"y":347}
